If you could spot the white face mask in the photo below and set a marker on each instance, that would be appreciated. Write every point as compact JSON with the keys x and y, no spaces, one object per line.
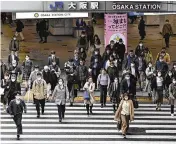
{"x":174,"y":81}
{"x":89,"y":70}
{"x":127,"y":78}
{"x":115,"y":81}
{"x":13,"y":79}
{"x":174,"y":66}
{"x":39,"y":78}
{"x":126,"y":98}
{"x":14,"y":38}
{"x":14,"y":65}
{"x":132,"y":65}
{"x":52,"y":55}
{"x":6,"y":77}
{"x":150,"y":65}
{"x":120,"y":42}
{"x":27,"y":58}
{"x":17,"y":101}
{"x":159,"y":74}
{"x":170,"y":74}
{"x":140,"y":45}
{"x":36,"y":70}
{"x":60,"y":83}
{"x":96,"y":53}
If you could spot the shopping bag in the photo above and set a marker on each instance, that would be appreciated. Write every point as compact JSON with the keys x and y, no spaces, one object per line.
{"x":86,"y":95}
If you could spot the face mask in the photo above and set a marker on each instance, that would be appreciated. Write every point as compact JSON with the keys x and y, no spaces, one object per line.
{"x":112,"y":44}
{"x":96,"y":60}
{"x":14,"y":65}
{"x":17,"y":101}
{"x":150,"y":65}
{"x":39,"y":78}
{"x":14,"y":38}
{"x":13,"y":80}
{"x":174,"y":81}
{"x":46,"y":70}
{"x":161,"y":60}
{"x":174,"y":66}
{"x":52,"y":55}
{"x":132,"y":65}
{"x":170,"y":74}
{"x":6,"y":77}
{"x":127,"y":78}
{"x":126,"y":98}
{"x":36,"y":70}
{"x":159,"y":74}
{"x":120,"y":42}
{"x":115,"y":81}
{"x":90,"y":70}
{"x":27,"y":59}
{"x":54,"y":63}
{"x":140,"y":45}
{"x":60,"y":83}
{"x":96,"y":53}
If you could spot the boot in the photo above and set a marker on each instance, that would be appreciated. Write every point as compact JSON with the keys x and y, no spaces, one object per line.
{"x":18,"y":137}
{"x":91,"y":109}
{"x":87,"y":108}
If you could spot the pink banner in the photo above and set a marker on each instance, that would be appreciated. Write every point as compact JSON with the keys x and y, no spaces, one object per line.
{"x":116,"y":28}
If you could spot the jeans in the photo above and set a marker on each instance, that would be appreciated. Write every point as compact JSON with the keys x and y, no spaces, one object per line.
{"x":17,"y":119}
{"x":38,"y":103}
{"x":103,"y":94}
{"x":61,"y":111}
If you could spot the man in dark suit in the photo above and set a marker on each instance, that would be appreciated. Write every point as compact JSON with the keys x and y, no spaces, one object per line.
{"x":128,"y":85}
{"x":15,"y":109}
{"x":12,"y":57}
{"x":52,"y":58}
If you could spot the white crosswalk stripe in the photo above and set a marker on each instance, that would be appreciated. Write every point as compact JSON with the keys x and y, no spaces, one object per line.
{"x":149,"y":126}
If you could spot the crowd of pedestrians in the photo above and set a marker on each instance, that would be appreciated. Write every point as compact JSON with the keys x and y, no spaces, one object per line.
{"x":115,"y":73}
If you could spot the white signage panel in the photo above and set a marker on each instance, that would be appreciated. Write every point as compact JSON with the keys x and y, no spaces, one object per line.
{"x":43,"y":15}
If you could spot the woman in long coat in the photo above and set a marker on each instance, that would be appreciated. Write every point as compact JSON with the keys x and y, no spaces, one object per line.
{"x":89,"y":87}
{"x":141,"y":28}
{"x":125,"y":113}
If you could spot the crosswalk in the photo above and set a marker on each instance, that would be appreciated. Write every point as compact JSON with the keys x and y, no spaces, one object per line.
{"x":149,"y":126}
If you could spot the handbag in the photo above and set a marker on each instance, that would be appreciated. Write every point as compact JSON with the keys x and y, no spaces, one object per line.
{"x":86,"y":95}
{"x":119,"y":125}
{"x":135,"y":103}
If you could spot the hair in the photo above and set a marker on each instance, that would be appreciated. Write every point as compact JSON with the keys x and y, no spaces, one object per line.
{"x":83,"y":32}
{"x":103,"y":69}
{"x":131,"y":51}
{"x":167,"y":20}
{"x":53,"y":52}
{"x":111,"y":41}
{"x":39,"y":74}
{"x":27,"y":56}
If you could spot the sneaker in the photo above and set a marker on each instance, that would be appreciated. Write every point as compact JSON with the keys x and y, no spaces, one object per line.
{"x":172,"y":115}
{"x":18,"y":137}
{"x":60,"y":120}
{"x":124,"y":136}
{"x":159,"y":109}
{"x":38,"y":116}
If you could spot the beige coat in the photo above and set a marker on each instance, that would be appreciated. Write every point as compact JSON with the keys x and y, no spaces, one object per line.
{"x":118,"y":112}
{"x":39,"y":89}
{"x":90,"y":89}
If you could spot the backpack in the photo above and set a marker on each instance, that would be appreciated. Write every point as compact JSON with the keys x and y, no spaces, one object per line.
{"x":82,"y":40}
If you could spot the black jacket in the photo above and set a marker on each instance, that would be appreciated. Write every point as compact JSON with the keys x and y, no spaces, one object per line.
{"x":125,"y":89}
{"x":14,"y":109}
{"x":50,"y":60}
{"x":14,"y":45}
{"x":20,"y":26}
{"x":120,"y":50}
{"x":139,"y":50}
{"x":10,"y":59}
{"x":47,"y":76}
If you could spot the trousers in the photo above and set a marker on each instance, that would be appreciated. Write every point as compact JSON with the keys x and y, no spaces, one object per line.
{"x":103,"y":94}
{"x":17,"y":119}
{"x":38,"y":103}
{"x":125,"y":123}
{"x":61,"y":111}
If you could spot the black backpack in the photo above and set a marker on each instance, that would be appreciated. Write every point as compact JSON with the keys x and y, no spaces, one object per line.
{"x":82,"y":40}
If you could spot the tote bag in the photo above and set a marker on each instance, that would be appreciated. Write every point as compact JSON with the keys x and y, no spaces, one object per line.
{"x":86,"y":95}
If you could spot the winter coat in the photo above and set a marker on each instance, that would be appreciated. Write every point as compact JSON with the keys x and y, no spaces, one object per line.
{"x":82,"y":72}
{"x":39,"y":89}
{"x":60,"y":95}
{"x":167,"y":29}
{"x":90,"y":89}
{"x":20,"y":26}
{"x":172,"y":94}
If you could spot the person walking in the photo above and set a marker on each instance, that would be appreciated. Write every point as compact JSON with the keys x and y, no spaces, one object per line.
{"x":82,"y":41}
{"x":103,"y":82}
{"x":3,"y":69}
{"x":39,"y":90}
{"x":141,"y":28}
{"x":14,"y":45}
{"x":4,"y":83}
{"x":172,"y":95}
{"x":125,"y":113}
{"x":12,"y":57}
{"x":114,"y":93}
{"x":89,"y":99}
{"x":61,"y":95}
{"x":158,"y":87}
{"x":43,"y":31}
{"x":15,"y":109}
{"x":19,"y":29}
{"x":52,"y":58}
{"x":167,"y":32}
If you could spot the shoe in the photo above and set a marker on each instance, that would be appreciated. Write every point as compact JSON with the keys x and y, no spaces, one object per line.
{"x":44,"y":41}
{"x":22,"y":40}
{"x":71,"y":104}
{"x":63,"y":117}
{"x":159,"y":109}
{"x":104,"y":105}
{"x":38,"y":116}
{"x":101,"y":105}
{"x":60,"y":120}
{"x":124,"y":136}
{"x":40,"y":41}
{"x":156,"y":108}
{"x":18,"y":137}
{"x":172,"y":115}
